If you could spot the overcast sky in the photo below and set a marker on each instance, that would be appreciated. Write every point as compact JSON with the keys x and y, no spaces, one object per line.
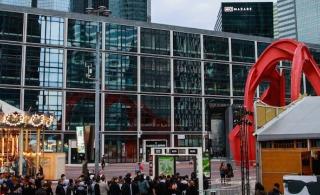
{"x":189,"y":13}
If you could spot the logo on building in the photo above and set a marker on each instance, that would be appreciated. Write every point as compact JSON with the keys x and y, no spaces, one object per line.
{"x":237,"y":9}
{"x":228,"y":9}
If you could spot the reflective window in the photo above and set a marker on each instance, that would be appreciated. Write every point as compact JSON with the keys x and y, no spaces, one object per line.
{"x":315,"y":54}
{"x":190,"y":141}
{"x":239,"y":74}
{"x":11,"y":26}
{"x":82,"y":33}
{"x":186,"y":45}
{"x":11,"y":96}
{"x":52,"y":143}
{"x":216,"y":112}
{"x":121,"y":72}
{"x":45,"y":101}
{"x":45,"y":29}
{"x":79,"y":110}
{"x":155,"y":41}
{"x":77,"y":69}
{"x":187,"y":114}
{"x":121,"y":37}
{"x":44,"y":67}
{"x":155,"y":113}
{"x":216,"y":79}
{"x":216,"y":48}
{"x":187,"y":77}
{"x":242,"y":51}
{"x":121,"y":112}
{"x":10,"y":64}
{"x":151,"y":70}
{"x":120,"y":149}
{"x":261,"y":47}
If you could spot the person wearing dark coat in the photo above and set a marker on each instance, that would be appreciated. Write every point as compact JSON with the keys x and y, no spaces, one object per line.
{"x":162,"y":187}
{"x":129,"y":188}
{"x":275,"y":190}
{"x":192,"y":189}
{"x":114,"y":187}
{"x":60,"y":190}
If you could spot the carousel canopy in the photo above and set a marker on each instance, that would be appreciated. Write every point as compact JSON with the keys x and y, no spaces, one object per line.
{"x":11,"y":116}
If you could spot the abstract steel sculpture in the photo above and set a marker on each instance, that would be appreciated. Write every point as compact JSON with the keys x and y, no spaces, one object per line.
{"x":265,"y":70}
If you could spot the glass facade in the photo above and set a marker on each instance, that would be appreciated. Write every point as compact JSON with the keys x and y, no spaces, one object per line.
{"x":11,"y":26}
{"x":186,"y":45}
{"x":155,"y":41}
{"x":156,"y":89}
{"x":45,"y":30}
{"x":121,"y":38}
{"x":131,"y":9}
{"x":250,"y":18}
{"x":151,"y":70}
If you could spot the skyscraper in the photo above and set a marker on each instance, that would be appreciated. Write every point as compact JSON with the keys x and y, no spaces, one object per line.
{"x":254,"y":18}
{"x":126,"y":9}
{"x":131,"y":9}
{"x":299,"y":20}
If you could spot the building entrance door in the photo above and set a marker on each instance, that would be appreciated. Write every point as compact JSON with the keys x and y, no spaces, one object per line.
{"x":152,"y":143}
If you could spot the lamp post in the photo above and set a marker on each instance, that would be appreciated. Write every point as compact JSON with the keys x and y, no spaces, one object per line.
{"x":103,"y":11}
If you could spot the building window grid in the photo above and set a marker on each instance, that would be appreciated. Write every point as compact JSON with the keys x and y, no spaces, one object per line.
{"x":45,"y":29}
{"x":11,"y":26}
{"x":121,"y":38}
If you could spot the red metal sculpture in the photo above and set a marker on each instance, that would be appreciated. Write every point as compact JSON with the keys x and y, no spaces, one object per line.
{"x":265,"y":70}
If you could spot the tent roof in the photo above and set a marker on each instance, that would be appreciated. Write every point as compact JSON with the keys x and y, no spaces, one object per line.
{"x":7,"y":108}
{"x":300,"y":121}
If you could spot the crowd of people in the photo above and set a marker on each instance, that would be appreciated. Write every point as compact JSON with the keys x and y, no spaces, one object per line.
{"x":138,"y":184}
{"x":259,"y":189}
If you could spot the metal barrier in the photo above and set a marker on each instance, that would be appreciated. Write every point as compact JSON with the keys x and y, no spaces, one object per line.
{"x":224,"y":190}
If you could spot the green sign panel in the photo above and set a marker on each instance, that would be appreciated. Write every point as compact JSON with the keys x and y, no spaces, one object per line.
{"x":206,"y":165}
{"x":166,"y":165}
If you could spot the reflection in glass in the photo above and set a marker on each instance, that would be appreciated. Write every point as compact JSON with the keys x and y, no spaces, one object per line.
{"x":45,"y":29}
{"x":186,"y":44}
{"x":155,"y":74}
{"x":239,"y":76}
{"x":10,"y":64}
{"x":155,"y":41}
{"x":216,"y":79}
{"x":187,"y":77}
{"x":52,"y":143}
{"x":242,"y":51}
{"x":120,"y":149}
{"x":261,"y":47}
{"x":216,"y":118}
{"x":45,"y":101}
{"x":11,"y":26}
{"x":77,"y":69}
{"x":121,"y":37}
{"x":155,"y":113}
{"x":79,"y":110}
{"x":121,"y":112}
{"x":216,"y":48}
{"x":121,"y":72}
{"x":190,"y":141}
{"x":187,"y":114}
{"x":44,"y":67}
{"x":82,"y":33}
{"x":11,"y":96}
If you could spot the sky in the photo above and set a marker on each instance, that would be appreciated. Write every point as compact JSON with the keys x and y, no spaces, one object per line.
{"x":189,"y":13}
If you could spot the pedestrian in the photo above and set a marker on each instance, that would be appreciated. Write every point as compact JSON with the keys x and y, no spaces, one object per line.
{"x":114,"y":187}
{"x":143,"y":185}
{"x":103,"y":185}
{"x":222,"y":170}
{"x":229,"y":172}
{"x":259,"y":189}
{"x":275,"y":190}
{"x":103,"y":163}
{"x":60,"y":188}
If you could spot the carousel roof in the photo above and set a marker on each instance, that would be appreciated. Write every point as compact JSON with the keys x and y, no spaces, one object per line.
{"x":11,"y":116}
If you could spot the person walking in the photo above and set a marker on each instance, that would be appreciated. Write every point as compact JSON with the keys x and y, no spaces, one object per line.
{"x":222,"y":170}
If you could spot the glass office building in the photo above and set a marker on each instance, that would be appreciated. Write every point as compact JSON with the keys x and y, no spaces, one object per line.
{"x":131,"y":9}
{"x":254,"y":18}
{"x":299,"y":20}
{"x":161,"y":85}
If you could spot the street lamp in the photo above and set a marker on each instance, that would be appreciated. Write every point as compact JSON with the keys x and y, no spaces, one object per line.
{"x":101,"y":10}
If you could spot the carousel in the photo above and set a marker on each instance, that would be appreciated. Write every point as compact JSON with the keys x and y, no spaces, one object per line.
{"x":17,"y":154}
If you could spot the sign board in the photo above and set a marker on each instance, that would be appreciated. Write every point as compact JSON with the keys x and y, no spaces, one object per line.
{"x":166,"y":165}
{"x":206,"y":165}
{"x":80,"y":139}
